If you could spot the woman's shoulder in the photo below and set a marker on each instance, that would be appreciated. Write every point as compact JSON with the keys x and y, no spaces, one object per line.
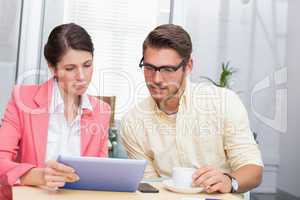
{"x":25,"y":91}
{"x":29,"y":93}
{"x":33,"y":88}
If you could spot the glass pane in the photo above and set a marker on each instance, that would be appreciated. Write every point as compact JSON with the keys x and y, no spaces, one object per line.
{"x":9,"y":33}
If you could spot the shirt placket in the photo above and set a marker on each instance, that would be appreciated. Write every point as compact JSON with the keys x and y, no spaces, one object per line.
{"x":180,"y":135}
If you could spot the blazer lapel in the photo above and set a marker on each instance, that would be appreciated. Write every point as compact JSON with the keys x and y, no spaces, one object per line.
{"x":40,"y":120}
{"x":87,"y":129}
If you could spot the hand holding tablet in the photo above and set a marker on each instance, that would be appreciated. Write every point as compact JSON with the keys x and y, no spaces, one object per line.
{"x":106,"y":174}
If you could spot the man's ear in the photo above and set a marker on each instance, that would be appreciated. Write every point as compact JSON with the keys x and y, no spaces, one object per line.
{"x":189,"y":66}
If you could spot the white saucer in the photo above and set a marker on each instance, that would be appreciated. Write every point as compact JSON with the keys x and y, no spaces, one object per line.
{"x":168,"y":184}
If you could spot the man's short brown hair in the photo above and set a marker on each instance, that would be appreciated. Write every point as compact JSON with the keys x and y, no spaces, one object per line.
{"x":170,"y":36}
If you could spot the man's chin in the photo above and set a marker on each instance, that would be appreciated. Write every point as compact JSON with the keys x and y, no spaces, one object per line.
{"x":157,"y":97}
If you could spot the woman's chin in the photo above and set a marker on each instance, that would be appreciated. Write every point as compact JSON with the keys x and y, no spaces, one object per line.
{"x":79,"y":92}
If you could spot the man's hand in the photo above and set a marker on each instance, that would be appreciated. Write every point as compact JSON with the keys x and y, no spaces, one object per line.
{"x":54,"y":175}
{"x":212,"y":180}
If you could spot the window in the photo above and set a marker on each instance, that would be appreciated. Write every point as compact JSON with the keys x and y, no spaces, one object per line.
{"x":118,"y":29}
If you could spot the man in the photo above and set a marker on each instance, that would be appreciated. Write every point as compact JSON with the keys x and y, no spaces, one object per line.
{"x":188,"y":125}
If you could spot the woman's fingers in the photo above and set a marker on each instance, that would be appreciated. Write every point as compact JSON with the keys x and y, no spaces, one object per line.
{"x":49,"y":178}
{"x":54,"y":182}
{"x":71,"y":177}
{"x":60,"y":167}
{"x":55,"y":185}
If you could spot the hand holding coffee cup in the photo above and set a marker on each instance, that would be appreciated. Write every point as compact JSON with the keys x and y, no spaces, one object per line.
{"x":212,"y":179}
{"x":182,"y":176}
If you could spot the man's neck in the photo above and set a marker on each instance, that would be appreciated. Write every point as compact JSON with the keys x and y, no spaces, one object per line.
{"x":170,"y":106}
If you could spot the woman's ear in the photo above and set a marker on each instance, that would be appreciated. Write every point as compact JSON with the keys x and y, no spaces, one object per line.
{"x":52,"y":69}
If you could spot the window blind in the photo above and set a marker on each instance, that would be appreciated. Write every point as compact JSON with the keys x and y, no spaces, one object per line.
{"x":118,"y":29}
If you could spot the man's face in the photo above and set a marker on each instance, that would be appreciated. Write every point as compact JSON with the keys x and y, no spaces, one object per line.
{"x":164,"y":85}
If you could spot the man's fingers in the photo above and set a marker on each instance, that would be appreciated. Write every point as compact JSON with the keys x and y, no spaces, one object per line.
{"x":199,"y":181}
{"x":202,"y":171}
{"x":211,"y":181}
{"x":214,"y":188}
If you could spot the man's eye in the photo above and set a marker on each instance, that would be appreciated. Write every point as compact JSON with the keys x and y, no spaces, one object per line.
{"x":87,"y":65}
{"x":149,"y":68}
{"x":167,"y":69}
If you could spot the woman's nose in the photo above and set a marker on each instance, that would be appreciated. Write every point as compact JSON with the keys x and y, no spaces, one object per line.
{"x":80,"y":74}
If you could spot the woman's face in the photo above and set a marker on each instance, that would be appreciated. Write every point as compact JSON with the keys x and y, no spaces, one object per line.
{"x":74,"y":72}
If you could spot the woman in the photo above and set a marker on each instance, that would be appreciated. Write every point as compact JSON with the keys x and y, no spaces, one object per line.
{"x":56,"y":117}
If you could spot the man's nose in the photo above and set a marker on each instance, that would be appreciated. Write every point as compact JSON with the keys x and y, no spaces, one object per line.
{"x":157,"y":77}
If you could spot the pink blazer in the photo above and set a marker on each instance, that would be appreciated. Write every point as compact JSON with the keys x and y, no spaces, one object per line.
{"x":23,"y":134}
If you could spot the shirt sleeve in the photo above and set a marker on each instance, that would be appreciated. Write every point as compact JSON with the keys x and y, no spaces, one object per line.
{"x":239,"y":143}
{"x":135,"y":148}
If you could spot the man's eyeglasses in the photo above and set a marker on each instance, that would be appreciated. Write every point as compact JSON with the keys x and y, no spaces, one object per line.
{"x":168,"y":69}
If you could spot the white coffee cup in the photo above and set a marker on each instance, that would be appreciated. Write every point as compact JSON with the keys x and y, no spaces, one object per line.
{"x":182,"y":176}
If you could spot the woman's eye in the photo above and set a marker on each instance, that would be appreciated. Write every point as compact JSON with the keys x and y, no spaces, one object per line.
{"x":87,"y":65}
{"x":69,"y":68}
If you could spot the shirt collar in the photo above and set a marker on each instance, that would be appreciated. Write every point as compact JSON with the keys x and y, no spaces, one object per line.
{"x":85,"y":102}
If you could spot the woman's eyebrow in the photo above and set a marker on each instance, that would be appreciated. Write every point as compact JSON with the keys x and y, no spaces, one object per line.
{"x":85,"y":62}
{"x":69,"y":65}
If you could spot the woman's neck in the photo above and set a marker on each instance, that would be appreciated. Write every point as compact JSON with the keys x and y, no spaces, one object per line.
{"x":71,"y":105}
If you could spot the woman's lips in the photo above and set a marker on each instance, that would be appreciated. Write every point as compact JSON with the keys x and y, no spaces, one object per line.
{"x":80,"y":86}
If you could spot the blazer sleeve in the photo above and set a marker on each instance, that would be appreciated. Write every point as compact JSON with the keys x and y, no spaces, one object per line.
{"x":10,"y":136}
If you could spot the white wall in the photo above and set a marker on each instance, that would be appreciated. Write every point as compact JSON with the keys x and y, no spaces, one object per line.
{"x":252,"y":36}
{"x":289,"y":171}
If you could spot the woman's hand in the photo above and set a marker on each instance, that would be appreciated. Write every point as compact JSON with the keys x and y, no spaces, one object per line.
{"x":53,"y":176}
{"x":56,"y":174}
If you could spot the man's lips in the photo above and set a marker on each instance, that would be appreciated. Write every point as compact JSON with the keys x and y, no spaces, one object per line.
{"x":154,"y":87}
{"x":157,"y":90}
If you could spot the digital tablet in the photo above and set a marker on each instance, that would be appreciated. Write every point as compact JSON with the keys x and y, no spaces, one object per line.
{"x":106,"y":174}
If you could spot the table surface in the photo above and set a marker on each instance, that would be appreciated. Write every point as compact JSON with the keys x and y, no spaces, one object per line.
{"x":34,"y":193}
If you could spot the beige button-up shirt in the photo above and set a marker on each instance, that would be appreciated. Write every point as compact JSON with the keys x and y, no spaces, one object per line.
{"x":211,"y":127}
